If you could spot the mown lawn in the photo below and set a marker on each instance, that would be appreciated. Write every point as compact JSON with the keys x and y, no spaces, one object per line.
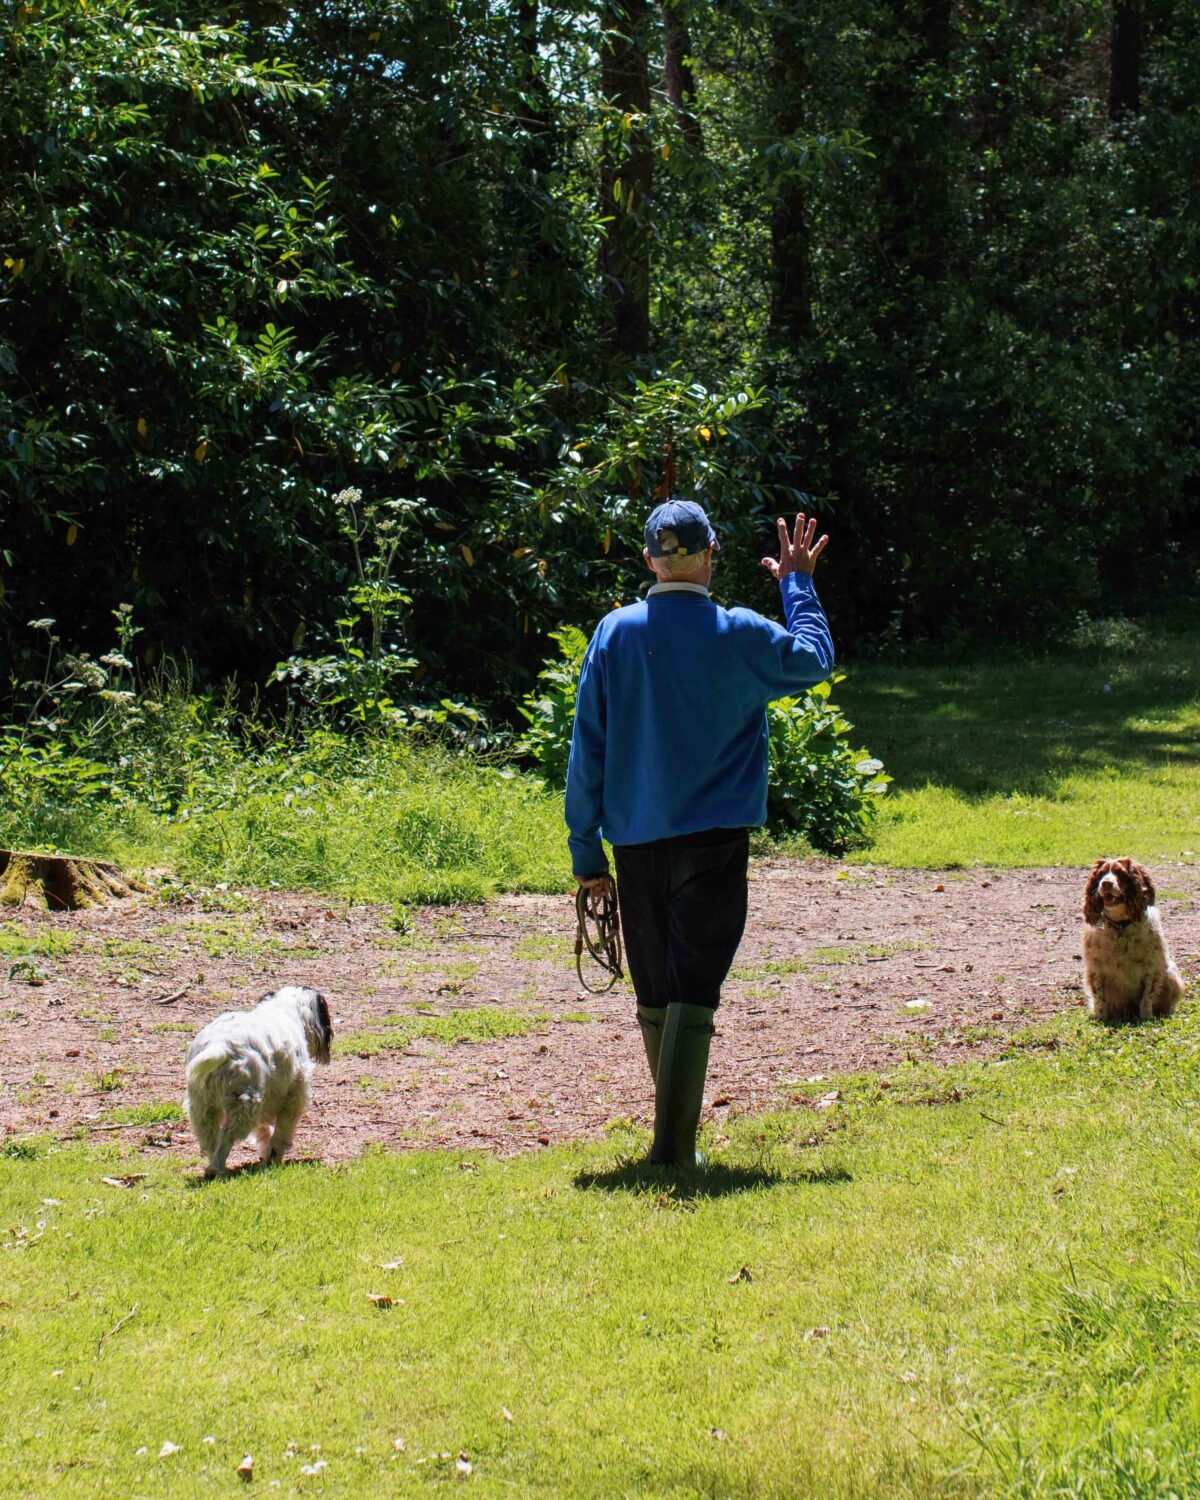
{"x":1053,"y":761}
{"x":982,"y":1282}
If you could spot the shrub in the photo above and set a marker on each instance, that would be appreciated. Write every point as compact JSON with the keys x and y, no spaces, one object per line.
{"x":550,"y":710}
{"x":818,"y":784}
{"x":1108,"y":633}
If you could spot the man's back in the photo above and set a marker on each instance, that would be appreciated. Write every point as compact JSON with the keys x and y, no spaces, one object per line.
{"x":670,"y":734}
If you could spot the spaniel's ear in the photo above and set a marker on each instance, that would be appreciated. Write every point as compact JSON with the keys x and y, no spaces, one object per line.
{"x":1092,"y":905}
{"x":323,"y":1018}
{"x":1144,"y":885}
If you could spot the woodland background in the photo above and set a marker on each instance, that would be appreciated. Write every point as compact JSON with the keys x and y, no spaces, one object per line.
{"x":931,"y":264}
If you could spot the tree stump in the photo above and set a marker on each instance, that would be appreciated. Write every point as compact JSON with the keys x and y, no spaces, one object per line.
{"x":60,"y":882}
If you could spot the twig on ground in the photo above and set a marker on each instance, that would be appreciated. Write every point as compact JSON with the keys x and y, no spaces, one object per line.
{"x":991,"y":1119}
{"x":117,"y":1326}
{"x":171,"y":999}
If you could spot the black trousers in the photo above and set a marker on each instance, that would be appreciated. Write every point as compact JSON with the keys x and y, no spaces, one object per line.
{"x":683,"y":912}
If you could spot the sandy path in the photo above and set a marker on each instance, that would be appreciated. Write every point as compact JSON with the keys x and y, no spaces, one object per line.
{"x":832,"y":961}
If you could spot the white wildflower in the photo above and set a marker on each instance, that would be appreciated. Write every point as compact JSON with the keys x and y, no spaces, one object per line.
{"x":115,"y":659}
{"x":86,"y":671}
{"x":347,"y":498}
{"x":110,"y":696}
{"x":40,"y":624}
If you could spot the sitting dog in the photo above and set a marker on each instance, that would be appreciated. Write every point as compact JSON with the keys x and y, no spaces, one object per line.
{"x":248,"y":1073}
{"x":1127,"y":970}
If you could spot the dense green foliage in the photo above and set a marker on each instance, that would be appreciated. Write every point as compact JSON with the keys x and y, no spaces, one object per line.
{"x":550,"y":708}
{"x":933,"y":265}
{"x":820,"y":786}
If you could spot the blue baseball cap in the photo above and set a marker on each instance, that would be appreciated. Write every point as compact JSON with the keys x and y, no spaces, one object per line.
{"x":679,"y":528}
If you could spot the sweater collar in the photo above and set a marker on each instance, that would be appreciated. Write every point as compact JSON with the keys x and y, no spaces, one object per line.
{"x":677,"y":588}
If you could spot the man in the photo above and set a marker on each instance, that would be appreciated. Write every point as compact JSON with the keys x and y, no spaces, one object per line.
{"x":669,"y":763}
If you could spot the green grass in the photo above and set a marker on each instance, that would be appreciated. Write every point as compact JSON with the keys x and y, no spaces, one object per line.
{"x":17,"y":942}
{"x":481,"y":1023}
{"x":410,"y":827}
{"x":981,"y":1281}
{"x":128,"y":948}
{"x":816,"y":958}
{"x":546,"y":947}
{"x":370,"y":820}
{"x":995,"y":761}
{"x":1029,"y":763}
{"x":150,"y":1113}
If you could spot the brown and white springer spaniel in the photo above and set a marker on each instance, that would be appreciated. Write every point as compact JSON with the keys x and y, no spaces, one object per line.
{"x":1128,"y":973}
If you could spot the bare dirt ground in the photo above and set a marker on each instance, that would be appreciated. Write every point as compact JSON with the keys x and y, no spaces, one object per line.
{"x":841,"y":969}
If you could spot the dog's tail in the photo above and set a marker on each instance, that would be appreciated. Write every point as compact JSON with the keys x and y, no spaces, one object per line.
{"x":200,"y":1066}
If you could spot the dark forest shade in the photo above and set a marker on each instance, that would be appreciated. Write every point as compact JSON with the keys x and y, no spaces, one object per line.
{"x":626,"y":175}
{"x":487,"y":259}
{"x":1124,"y":79}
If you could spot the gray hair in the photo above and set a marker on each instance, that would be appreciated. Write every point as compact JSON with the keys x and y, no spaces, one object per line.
{"x":678,"y":569}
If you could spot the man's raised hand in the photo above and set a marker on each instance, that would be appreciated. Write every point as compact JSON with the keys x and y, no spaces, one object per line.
{"x":797,"y":553}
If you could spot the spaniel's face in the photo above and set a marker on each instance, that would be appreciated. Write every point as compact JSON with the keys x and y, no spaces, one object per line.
{"x":1119,"y":889}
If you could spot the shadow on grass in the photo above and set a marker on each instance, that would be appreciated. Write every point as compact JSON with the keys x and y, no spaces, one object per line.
{"x":253,"y":1169}
{"x":988,"y":727}
{"x":715,"y":1180}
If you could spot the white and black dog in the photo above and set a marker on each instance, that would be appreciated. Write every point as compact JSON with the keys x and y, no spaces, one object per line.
{"x":248,"y":1073}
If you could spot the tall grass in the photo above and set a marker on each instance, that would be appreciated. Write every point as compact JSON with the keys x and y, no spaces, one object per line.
{"x":401,"y":824}
{"x":223,"y":797}
{"x":1081,"y":752}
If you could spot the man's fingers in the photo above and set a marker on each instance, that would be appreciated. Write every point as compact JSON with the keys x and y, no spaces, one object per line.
{"x":809,"y":530}
{"x":771,"y":566}
{"x":785,"y":541}
{"x":798,"y":534}
{"x":819,"y":548}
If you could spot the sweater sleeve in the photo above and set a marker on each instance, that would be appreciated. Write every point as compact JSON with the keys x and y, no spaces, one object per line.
{"x":788,"y":661}
{"x":585,"y":769}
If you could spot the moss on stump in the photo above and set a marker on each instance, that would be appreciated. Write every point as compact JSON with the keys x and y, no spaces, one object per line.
{"x":60,"y":882}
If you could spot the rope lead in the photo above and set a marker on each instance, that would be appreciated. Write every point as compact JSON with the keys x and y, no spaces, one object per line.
{"x":598,"y":929}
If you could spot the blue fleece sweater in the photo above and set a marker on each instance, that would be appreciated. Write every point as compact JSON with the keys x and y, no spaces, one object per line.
{"x":670,"y":725}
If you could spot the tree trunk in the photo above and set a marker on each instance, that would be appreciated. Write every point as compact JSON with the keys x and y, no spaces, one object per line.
{"x":678,"y":79}
{"x":914,"y":146}
{"x":1125,"y":59}
{"x":626,"y":175}
{"x":60,"y":882}
{"x":537,"y":113}
{"x":791,"y":245}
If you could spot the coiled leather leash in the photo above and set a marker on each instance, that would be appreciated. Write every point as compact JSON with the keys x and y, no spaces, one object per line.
{"x":598,"y":930}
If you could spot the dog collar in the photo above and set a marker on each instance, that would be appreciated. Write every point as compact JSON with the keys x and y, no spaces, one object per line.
{"x":1112,"y":921}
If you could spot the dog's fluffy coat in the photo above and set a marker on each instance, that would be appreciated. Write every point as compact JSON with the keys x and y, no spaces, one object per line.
{"x":248,"y":1073}
{"x":1128,"y":973}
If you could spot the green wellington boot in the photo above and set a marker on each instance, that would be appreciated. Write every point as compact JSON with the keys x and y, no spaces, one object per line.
{"x":679,"y":1084}
{"x":652,"y":1019}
